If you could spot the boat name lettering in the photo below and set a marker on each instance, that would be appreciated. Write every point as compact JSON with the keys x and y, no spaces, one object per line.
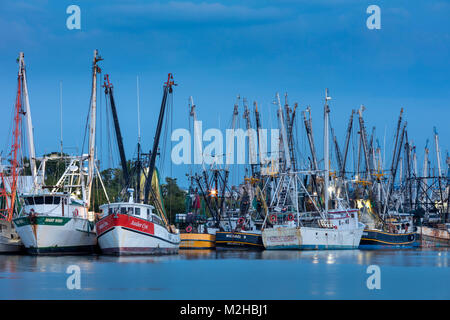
{"x":139,"y":224}
{"x":53,"y":220}
{"x":281,"y":238}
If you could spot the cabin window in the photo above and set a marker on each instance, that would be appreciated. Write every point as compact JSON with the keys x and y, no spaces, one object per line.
{"x":48,"y":200}
{"x":123,"y":210}
{"x":130,"y":210}
{"x":56,"y":200}
{"x":110,"y":210}
{"x":29,"y":201}
{"x":137,"y":211}
{"x":39,"y":200}
{"x":148,"y":214}
{"x":156,"y":219}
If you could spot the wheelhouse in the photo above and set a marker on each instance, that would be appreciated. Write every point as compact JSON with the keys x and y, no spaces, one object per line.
{"x":142,"y":211}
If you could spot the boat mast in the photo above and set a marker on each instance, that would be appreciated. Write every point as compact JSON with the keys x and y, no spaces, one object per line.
{"x":325,"y":149}
{"x":123,"y":160}
{"x":15,"y":147}
{"x":30,"y":136}
{"x":138,"y":162}
{"x":92,"y":122}
{"x":167,"y":89}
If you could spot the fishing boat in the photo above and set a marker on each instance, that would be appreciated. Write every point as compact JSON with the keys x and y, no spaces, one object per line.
{"x":397,"y":231}
{"x":288,"y":227}
{"x":132,"y":227}
{"x":55,"y":223}
{"x":434,"y":236}
{"x":239,"y":240}
{"x":55,"y":219}
{"x":240,"y":232}
{"x":340,"y":230}
{"x":194,"y":232}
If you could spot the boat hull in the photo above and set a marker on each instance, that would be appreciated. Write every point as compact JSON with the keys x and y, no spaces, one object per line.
{"x":239,"y":240}
{"x":9,"y":239}
{"x":433,"y":237}
{"x":121,"y":234}
{"x":10,"y":246}
{"x":56,"y":235}
{"x":197,"y":241}
{"x":309,"y":238}
{"x":376,"y":239}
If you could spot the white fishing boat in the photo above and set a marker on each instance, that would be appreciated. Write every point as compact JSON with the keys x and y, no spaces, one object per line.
{"x":288,"y":228}
{"x":56,"y":219}
{"x":341,"y":230}
{"x":58,"y":222}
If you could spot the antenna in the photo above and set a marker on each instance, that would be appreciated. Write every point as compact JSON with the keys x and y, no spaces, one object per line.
{"x":61,"y":115}
{"x":138,"y":109}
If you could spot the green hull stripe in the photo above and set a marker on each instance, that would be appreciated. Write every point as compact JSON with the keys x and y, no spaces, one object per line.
{"x":49,"y":221}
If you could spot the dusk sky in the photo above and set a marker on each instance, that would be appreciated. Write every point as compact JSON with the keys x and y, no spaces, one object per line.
{"x":217,"y":50}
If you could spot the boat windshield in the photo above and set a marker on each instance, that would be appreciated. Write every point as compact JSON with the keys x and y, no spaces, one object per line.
{"x":38,"y":200}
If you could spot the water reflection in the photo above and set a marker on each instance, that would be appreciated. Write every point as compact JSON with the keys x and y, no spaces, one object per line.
{"x":408,"y":257}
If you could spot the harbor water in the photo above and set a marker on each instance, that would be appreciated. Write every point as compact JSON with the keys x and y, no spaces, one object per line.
{"x":237,"y":275}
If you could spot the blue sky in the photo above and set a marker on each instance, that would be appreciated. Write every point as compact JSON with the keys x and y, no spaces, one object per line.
{"x":217,"y":50}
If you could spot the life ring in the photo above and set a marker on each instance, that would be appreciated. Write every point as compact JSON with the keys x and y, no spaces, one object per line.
{"x":290,"y":217}
{"x":75,"y":213}
{"x":241,"y":220}
{"x":273,"y":218}
{"x":188,"y":229}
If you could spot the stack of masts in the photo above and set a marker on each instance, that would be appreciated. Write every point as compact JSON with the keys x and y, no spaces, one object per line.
{"x":402,"y":187}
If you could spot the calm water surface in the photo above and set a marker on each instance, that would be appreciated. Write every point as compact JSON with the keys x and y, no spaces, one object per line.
{"x":405,"y":274}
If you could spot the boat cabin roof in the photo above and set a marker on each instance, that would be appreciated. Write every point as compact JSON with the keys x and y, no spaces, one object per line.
{"x":52,"y":194}
{"x":126,"y":204}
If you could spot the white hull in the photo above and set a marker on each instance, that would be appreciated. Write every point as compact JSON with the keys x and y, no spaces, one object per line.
{"x":305,"y":238}
{"x":122,"y":234}
{"x":56,"y":235}
{"x":122,"y":241}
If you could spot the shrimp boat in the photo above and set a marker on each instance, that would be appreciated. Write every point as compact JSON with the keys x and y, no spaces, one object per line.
{"x":393,"y":232}
{"x":56,"y":219}
{"x":128,"y":228}
{"x":55,"y":223}
{"x":339,"y":230}
{"x":133,"y":228}
{"x":288,"y":228}
{"x":196,"y":235}
{"x":241,"y":232}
